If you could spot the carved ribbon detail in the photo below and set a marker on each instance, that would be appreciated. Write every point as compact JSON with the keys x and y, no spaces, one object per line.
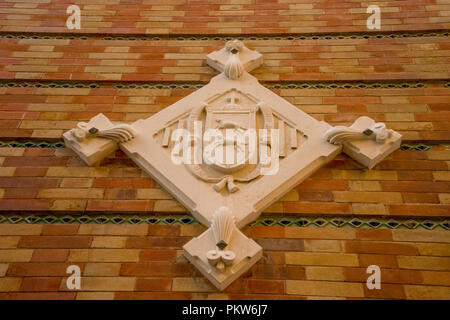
{"x":342,"y":134}
{"x":117,"y":133}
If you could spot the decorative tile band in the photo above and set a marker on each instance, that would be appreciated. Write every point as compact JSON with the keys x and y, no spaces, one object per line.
{"x":181,"y":37}
{"x":197,"y":85}
{"x":283,"y":221}
{"x":58,"y":144}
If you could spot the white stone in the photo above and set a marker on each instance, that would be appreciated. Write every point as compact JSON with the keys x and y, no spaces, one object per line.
{"x":227,"y":196}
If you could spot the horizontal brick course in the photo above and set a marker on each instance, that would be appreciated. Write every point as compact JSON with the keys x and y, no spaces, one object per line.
{"x":284,"y":60}
{"x":227,"y":17}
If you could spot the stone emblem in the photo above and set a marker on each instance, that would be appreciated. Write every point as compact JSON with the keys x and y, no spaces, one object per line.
{"x":228,"y":151}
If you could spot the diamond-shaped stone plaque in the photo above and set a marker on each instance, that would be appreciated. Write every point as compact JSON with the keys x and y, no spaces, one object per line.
{"x":273,"y":147}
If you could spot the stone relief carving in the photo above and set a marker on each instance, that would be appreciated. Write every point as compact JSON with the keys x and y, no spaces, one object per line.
{"x":224,"y":195}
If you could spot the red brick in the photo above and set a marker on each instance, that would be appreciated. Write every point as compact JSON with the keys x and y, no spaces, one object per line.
{"x":373,"y":234}
{"x":316,"y":207}
{"x":39,"y":269}
{"x":156,"y":242}
{"x":266,"y":286}
{"x":380,"y":247}
{"x":160,"y":284}
{"x":420,"y":210}
{"x":381,"y":260}
{"x":164,"y":230}
{"x":55,"y":242}
{"x":24,"y":204}
{"x":50,"y":255}
{"x":41,"y":284}
{"x":120,"y":205}
{"x":158,"y":255}
{"x":264,"y":232}
{"x":38,"y":296}
{"x":60,"y":229}
{"x":387,"y":291}
{"x":153,"y":296}
{"x":157,"y":269}
{"x":130,"y":183}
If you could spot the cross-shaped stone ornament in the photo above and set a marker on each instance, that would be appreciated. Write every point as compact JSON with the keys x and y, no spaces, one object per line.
{"x":227,"y":197}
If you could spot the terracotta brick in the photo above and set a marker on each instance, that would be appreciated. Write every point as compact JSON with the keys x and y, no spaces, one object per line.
{"x":266,"y":286}
{"x":436,"y":278}
{"x":120,"y":205}
{"x":156,"y":242}
{"x":116,"y":230}
{"x":9,"y":242}
{"x":165,"y":230}
{"x":101,"y":269}
{"x":10,"y":284}
{"x":373,"y":234}
{"x":95,"y":296}
{"x":420,"y":235}
{"x":38,"y":296}
{"x":69,"y":205}
{"x":55,"y":242}
{"x":191,"y":230}
{"x":104,"y":255}
{"x":324,"y":288}
{"x":38,"y":269}
{"x":59,"y":229}
{"x":387,"y":291}
{"x":323,"y":245}
{"x":50,"y":255}
{"x":15,"y":255}
{"x":316,"y":207}
{"x":264,"y":232}
{"x":319,"y":233}
{"x":158,"y":255}
{"x":192,"y":285}
{"x":381,"y":260}
{"x":159,"y":284}
{"x":157,"y":269}
{"x":427,"y":292}
{"x":152,"y":296}
{"x":434,"y":249}
{"x":424,"y":263}
{"x":281,"y":244}
{"x":76,"y":182}
{"x":3,"y":268}
{"x":377,"y":197}
{"x":322,"y":259}
{"x":325,"y":273}
{"x":108,"y":242}
{"x":105,"y":284}
{"x":381,"y":247}
{"x":40,"y":284}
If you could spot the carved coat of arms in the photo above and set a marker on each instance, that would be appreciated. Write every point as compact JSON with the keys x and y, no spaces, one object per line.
{"x":228,"y":151}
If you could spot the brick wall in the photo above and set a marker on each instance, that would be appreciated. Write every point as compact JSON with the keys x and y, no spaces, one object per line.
{"x":134,"y":59}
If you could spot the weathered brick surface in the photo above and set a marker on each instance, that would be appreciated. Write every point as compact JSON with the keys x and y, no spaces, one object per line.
{"x":418,"y":58}
{"x":388,"y":189}
{"x":224,"y":17}
{"x":309,"y":272}
{"x":417,"y":113}
{"x":146,"y":261}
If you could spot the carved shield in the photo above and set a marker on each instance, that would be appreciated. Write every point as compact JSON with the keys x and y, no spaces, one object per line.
{"x":231,"y":121}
